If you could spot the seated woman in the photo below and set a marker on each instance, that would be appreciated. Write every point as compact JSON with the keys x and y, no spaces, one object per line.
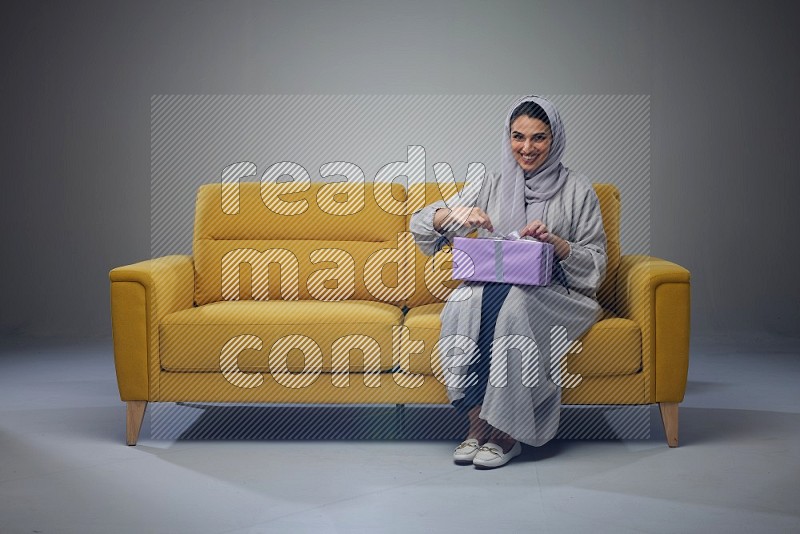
{"x":536,"y":196}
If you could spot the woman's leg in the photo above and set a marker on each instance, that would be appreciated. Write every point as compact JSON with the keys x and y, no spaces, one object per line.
{"x":478,"y":428}
{"x":494,"y":295}
{"x":498,"y":437}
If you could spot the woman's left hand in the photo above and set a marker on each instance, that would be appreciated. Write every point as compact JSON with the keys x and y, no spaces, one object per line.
{"x":538,"y":230}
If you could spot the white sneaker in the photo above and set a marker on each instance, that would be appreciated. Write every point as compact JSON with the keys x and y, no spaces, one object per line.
{"x":465,"y":452}
{"x":491,"y":455}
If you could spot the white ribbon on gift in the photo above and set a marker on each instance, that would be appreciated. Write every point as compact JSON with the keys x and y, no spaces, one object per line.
{"x":498,"y":253}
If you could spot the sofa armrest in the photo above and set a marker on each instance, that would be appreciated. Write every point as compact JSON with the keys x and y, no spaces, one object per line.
{"x":141,"y":294}
{"x":655,"y":294}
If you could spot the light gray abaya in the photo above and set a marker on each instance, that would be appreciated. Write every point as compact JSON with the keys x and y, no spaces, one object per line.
{"x":523,"y":397}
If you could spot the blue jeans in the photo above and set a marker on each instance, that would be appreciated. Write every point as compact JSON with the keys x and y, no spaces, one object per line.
{"x":494,"y":294}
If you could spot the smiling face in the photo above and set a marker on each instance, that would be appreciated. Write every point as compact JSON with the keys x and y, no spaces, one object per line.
{"x":530,"y":142}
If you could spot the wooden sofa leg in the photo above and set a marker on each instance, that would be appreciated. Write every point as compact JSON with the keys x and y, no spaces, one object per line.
{"x":669,"y":416}
{"x":134,"y":418}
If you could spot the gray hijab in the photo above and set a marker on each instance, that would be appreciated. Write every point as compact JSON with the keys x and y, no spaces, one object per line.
{"x":526,"y":194}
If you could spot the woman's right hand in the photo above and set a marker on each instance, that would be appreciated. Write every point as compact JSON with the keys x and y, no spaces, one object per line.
{"x":461,"y":217}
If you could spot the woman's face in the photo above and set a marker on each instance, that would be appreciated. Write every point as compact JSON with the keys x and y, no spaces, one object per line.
{"x":530,"y":142}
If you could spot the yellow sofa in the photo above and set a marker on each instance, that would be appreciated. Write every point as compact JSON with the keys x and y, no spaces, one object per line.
{"x":320,"y":296}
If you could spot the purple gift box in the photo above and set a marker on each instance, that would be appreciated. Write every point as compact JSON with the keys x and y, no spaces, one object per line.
{"x":520,"y":261}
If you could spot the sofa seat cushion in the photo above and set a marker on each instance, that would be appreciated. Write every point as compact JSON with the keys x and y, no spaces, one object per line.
{"x":612,"y":347}
{"x":277,"y":336}
{"x":425,"y":317}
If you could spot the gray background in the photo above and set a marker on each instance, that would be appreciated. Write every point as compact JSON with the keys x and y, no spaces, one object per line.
{"x":79,"y":77}
{"x":195,"y":137}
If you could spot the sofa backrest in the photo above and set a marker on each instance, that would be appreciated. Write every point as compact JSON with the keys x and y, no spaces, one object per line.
{"x":609,"y":198}
{"x":433,"y":275}
{"x":333,"y":242}
{"x":267,"y":243}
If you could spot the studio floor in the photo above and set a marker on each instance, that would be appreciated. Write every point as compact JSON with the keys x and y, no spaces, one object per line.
{"x":64,"y":465}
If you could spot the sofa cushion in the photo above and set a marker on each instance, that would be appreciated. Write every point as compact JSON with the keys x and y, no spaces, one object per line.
{"x":423,"y":324}
{"x":229,"y":270}
{"x":612,"y":347}
{"x":193,"y":339}
{"x":355,"y":218}
{"x":315,"y":218}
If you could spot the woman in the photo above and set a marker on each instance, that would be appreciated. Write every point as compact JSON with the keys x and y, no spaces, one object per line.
{"x":536,"y":196}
